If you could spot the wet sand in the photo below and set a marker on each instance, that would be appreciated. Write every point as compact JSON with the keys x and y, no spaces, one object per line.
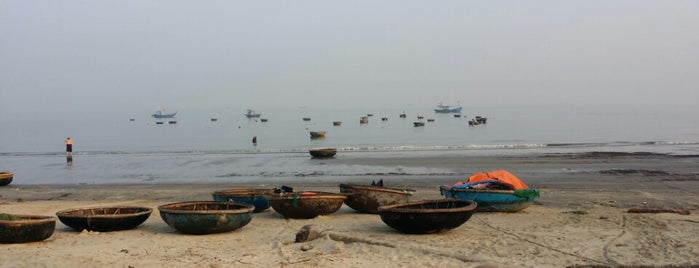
{"x":580,"y":219}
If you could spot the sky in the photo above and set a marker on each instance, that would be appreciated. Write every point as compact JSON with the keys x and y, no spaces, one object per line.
{"x":74,"y":57}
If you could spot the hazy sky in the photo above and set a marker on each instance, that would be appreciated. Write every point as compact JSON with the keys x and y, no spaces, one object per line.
{"x":85,"y":56}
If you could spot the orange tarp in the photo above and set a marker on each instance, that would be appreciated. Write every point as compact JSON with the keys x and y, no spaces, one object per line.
{"x":499,"y":175}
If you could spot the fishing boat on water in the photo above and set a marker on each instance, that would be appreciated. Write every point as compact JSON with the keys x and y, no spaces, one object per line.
{"x":441,"y":108}
{"x":252,"y":114}
{"x":162,"y":114}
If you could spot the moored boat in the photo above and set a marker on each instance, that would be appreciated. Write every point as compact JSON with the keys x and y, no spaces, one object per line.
{"x":6,"y":177}
{"x":317,"y":134}
{"x":250,"y":113}
{"x":441,"y":108}
{"x":323,"y":152}
{"x":162,"y":114}
{"x":337,"y":123}
{"x":419,"y":124}
{"x":495,"y":191}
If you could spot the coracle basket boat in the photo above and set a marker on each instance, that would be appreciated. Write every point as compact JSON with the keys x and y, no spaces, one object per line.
{"x":323,"y":152}
{"x":6,"y":177}
{"x":306,"y":205}
{"x":25,"y":228}
{"x":493,"y":200}
{"x":104,"y":219}
{"x":427,"y":216}
{"x":206,"y":217}
{"x":368,"y":199}
{"x":256,"y":197}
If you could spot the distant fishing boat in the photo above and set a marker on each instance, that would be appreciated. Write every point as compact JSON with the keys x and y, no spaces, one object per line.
{"x":317,"y":134}
{"x":252,"y":114}
{"x":441,"y":108}
{"x":163,"y":114}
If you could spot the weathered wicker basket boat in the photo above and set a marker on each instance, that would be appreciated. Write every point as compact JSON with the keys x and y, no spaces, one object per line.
{"x":427,"y":216}
{"x":104,"y":219}
{"x":26,"y":228}
{"x":6,"y":177}
{"x":206,"y":217}
{"x":323,"y":152}
{"x":306,"y":205}
{"x":256,"y":197}
{"x":368,"y":199}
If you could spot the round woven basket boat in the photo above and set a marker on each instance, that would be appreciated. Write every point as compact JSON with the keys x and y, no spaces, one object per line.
{"x":26,"y":228}
{"x":104,"y":219}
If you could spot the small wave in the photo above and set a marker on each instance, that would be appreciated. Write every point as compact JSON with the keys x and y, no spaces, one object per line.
{"x":593,"y":148}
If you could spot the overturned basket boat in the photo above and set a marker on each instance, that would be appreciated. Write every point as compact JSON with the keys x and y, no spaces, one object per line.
{"x":323,"y":152}
{"x":6,"y":177}
{"x":368,"y":199}
{"x":104,"y":219}
{"x":25,"y":228}
{"x":206,"y":217}
{"x":427,"y":216}
{"x":256,"y":197}
{"x":306,"y":205}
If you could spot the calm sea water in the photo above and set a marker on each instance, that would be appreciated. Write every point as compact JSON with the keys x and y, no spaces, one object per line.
{"x":113,"y":149}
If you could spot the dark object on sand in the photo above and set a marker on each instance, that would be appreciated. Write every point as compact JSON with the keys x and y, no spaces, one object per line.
{"x":256,"y":197}
{"x":367,"y":199}
{"x":306,"y":205}
{"x":206,"y":217}
{"x":26,"y":228}
{"x":104,"y":219}
{"x":6,"y":177}
{"x":323,"y":152}
{"x":427,"y":216}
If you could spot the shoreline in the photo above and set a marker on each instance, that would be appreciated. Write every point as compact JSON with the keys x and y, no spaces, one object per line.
{"x":581,"y":218}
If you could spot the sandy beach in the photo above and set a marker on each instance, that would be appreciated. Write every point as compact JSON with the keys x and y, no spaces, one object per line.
{"x":581,"y":219}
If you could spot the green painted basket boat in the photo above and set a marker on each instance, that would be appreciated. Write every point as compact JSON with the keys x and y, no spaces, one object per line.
{"x":206,"y":217}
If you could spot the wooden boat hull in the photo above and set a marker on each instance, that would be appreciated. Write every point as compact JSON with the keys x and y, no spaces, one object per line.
{"x":256,"y":197}
{"x":317,"y":134}
{"x":299,"y":206}
{"x":206,"y":217}
{"x":427,"y":216}
{"x":26,"y":229}
{"x":491,"y":200}
{"x":6,"y":178}
{"x":323,"y":153}
{"x":368,"y":199}
{"x":104,"y":219}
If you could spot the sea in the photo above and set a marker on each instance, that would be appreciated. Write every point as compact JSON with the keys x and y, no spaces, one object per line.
{"x":133,"y":148}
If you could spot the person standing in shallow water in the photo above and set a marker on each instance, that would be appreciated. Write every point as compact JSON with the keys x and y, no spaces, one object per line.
{"x":69,"y":146}
{"x":254,"y":140}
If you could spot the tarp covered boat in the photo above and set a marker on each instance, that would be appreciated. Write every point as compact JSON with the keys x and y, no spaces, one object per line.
{"x":498,"y":190}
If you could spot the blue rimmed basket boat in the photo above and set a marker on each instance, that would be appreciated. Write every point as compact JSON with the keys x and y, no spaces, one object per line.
{"x":493,"y":200}
{"x":257,"y":197}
